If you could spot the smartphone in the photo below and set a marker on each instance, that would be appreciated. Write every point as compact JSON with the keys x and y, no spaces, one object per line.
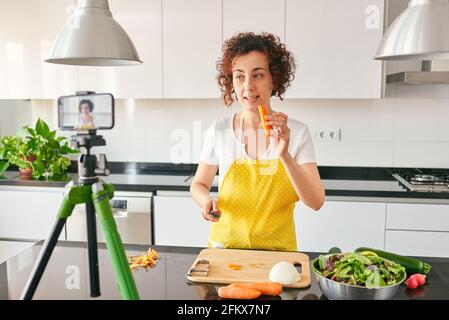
{"x":92,"y":111}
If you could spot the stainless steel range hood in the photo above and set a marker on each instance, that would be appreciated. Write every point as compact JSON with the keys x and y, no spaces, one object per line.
{"x":419,"y":33}
{"x":425,"y":76}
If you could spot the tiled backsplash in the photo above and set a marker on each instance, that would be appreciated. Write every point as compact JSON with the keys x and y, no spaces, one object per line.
{"x":384,"y":132}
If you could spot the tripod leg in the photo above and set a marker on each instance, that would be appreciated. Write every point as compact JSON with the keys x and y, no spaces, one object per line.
{"x":114,"y":244}
{"x":65,"y":210}
{"x":92,"y":250}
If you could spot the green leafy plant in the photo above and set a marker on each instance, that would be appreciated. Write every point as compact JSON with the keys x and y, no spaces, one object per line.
{"x":38,"y":149}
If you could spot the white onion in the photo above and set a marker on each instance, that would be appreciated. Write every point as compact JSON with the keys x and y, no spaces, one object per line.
{"x":285,"y":273}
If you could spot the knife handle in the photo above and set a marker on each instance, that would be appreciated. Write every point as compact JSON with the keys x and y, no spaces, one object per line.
{"x":215,"y":214}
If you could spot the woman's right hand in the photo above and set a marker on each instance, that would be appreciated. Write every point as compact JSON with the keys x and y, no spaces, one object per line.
{"x":211,"y":205}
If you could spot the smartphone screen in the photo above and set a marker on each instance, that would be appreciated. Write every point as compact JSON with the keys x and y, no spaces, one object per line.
{"x":86,"y":112}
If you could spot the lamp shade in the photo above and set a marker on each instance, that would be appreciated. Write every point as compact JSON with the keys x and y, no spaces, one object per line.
{"x":421,"y":32}
{"x":91,"y":37}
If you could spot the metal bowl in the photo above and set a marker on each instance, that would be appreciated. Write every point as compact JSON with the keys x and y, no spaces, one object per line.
{"x":334,"y":290}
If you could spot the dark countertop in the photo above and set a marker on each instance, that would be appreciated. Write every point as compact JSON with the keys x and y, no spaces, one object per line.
{"x":67,"y":277}
{"x":181,"y":182}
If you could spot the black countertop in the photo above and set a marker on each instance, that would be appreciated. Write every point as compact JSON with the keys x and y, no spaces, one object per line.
{"x":67,"y":277}
{"x":360,"y":187}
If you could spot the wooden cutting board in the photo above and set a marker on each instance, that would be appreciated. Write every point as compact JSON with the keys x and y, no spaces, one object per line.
{"x":255,"y":266}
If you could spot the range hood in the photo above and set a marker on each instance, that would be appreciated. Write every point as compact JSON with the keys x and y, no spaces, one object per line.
{"x":425,"y":76}
{"x":420,"y":33}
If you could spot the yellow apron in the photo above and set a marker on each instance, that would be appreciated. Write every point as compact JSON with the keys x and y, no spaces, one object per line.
{"x":256,"y":201}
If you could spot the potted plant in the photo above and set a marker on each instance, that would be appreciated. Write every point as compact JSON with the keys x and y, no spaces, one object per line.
{"x":37,"y":152}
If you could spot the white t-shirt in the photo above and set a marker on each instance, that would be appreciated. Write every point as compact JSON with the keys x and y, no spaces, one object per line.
{"x":221,"y":145}
{"x":81,"y":123}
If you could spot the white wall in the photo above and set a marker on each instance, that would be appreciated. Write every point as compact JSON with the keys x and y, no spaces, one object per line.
{"x":14,"y":114}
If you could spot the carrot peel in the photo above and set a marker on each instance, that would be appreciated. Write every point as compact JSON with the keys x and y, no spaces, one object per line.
{"x":234,"y":266}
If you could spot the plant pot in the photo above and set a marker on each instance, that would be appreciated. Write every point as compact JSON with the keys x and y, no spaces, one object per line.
{"x":26,"y":174}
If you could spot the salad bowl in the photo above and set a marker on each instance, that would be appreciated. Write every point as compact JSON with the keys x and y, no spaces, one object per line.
{"x":337,"y":290}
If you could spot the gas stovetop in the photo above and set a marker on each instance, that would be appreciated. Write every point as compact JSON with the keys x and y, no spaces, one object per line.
{"x":423,"y":180}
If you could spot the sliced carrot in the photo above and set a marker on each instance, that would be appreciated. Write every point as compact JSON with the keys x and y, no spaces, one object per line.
{"x":235,"y":266}
{"x":267,"y":288}
{"x":230,"y":292}
{"x":263,"y":113}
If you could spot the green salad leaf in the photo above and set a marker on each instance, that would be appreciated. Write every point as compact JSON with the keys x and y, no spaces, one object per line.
{"x":358,"y":269}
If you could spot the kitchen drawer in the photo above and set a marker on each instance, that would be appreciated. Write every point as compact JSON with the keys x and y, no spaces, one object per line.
{"x":342,"y":224}
{"x":417,"y":243}
{"x":424,"y":217}
{"x":132,"y":214}
{"x":178,"y":222}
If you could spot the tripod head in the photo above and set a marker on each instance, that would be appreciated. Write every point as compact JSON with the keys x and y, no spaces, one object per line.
{"x":88,"y":165}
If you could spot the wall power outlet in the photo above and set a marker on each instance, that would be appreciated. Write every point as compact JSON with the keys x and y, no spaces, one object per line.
{"x":327,"y":134}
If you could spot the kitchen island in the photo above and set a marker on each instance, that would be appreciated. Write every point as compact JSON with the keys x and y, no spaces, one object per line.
{"x":67,"y":276}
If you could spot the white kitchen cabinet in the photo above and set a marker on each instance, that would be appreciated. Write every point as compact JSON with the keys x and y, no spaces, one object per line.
{"x":192,"y":37}
{"x":418,"y":229}
{"x":27,"y":30}
{"x":178,"y":221}
{"x":29,"y":212}
{"x":334,"y":43}
{"x":254,"y":16}
{"x":417,"y":243}
{"x":141,"y":20}
{"x":416,"y":216}
{"x":342,"y":224}
{"x":132,"y":214}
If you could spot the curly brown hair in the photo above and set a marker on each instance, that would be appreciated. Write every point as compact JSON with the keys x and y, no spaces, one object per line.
{"x":280,"y":60}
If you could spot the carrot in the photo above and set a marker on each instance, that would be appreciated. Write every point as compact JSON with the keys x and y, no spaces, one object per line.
{"x":235,"y":266}
{"x":263,"y":113}
{"x":266,"y":288}
{"x":230,"y":292}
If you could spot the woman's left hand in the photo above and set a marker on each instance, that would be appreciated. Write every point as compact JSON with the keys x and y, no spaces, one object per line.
{"x":281,"y":131}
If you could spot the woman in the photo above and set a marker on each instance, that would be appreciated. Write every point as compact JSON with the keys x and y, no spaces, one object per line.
{"x":260,"y":177}
{"x":85,"y":119}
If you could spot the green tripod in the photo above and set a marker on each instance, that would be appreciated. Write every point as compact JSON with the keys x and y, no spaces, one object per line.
{"x":95,"y":195}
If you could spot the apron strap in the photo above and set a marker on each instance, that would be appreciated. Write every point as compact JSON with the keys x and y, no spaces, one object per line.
{"x":241,"y":129}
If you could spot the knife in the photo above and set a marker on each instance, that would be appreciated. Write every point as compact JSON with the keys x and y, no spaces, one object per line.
{"x":215,"y":214}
